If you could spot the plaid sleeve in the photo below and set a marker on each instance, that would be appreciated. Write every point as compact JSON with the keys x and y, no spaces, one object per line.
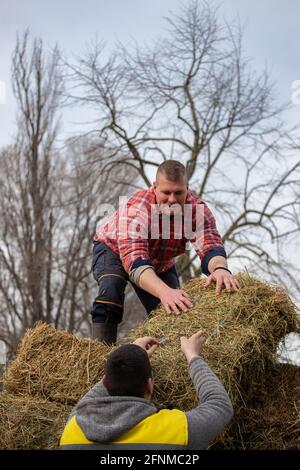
{"x":133,"y":234}
{"x":208,"y":242}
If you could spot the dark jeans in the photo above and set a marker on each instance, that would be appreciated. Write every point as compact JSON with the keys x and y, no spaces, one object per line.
{"x":112,"y":280}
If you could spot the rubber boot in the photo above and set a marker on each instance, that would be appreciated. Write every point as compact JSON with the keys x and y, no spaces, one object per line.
{"x":105,"y":332}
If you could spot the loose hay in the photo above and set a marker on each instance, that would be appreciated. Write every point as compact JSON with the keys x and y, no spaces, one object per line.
{"x":242,"y":351}
{"x":27,"y":423}
{"x":55,"y":365}
{"x":247,"y":327}
{"x":275,"y":422}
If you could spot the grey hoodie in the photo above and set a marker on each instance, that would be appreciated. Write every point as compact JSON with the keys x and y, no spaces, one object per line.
{"x":103,"y":418}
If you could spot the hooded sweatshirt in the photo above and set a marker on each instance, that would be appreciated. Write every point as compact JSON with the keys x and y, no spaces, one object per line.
{"x":101,"y":421}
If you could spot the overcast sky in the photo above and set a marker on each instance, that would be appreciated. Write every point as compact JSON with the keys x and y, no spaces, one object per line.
{"x":271,"y":35}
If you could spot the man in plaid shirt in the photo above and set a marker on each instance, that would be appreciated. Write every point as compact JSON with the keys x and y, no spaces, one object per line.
{"x":139,"y":243}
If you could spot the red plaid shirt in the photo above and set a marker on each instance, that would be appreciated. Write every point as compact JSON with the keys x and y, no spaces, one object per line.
{"x":138,"y":231}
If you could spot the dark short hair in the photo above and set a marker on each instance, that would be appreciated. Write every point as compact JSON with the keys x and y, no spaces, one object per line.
{"x":172,"y":169}
{"x":127,"y":371}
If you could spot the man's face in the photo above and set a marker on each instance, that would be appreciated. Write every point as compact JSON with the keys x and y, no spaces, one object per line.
{"x":170,"y":193}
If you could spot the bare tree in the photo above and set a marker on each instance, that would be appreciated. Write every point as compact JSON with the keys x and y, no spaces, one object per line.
{"x":193,"y":96}
{"x":50,"y":203}
{"x":26,"y":192}
{"x":83,"y":196}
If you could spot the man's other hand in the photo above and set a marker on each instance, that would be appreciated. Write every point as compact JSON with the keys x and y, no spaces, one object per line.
{"x":147,"y":343}
{"x":175,"y":300}
{"x":192,"y":347}
{"x":223,"y":278}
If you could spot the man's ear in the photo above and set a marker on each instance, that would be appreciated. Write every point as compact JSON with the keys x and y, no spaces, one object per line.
{"x":150,"y":387}
{"x":104,"y":380}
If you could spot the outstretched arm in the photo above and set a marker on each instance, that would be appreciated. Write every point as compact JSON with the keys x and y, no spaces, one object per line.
{"x":215,"y":409}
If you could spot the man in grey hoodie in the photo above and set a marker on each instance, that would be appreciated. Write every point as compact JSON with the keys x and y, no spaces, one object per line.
{"x":117,"y":412}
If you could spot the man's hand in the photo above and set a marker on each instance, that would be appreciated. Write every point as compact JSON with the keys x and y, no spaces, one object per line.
{"x":175,"y":300}
{"x":222,"y":277}
{"x":192,"y":347}
{"x":147,"y":343}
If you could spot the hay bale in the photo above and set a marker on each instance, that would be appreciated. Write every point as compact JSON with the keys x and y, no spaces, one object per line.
{"x":274,"y":424}
{"x":247,"y":327}
{"x":28,"y":423}
{"x":242,"y":351}
{"x":55,"y":365}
